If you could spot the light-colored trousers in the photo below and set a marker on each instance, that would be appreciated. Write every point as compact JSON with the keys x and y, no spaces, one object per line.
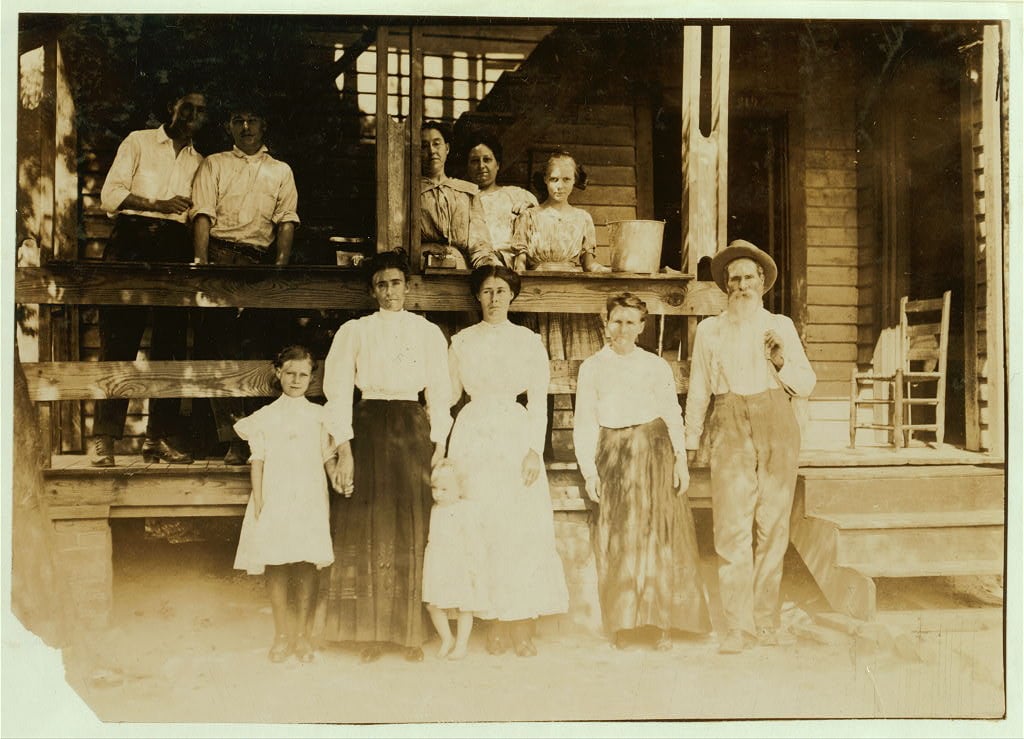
{"x":755,"y":445}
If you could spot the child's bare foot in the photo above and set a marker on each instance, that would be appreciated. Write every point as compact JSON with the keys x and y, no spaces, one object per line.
{"x":446,"y":647}
{"x":460,"y":651}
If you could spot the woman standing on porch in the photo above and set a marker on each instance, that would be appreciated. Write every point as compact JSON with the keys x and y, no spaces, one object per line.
{"x":628,"y":434}
{"x":497,"y":447}
{"x":386,"y":448}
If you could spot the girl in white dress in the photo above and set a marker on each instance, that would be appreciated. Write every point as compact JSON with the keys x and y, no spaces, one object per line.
{"x":286,"y":530}
{"x":453,"y":564}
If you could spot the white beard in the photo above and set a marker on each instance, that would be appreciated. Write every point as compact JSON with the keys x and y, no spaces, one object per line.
{"x":742,"y":307}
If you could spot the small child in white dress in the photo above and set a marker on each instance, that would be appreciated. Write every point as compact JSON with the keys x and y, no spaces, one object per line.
{"x":286,"y":530}
{"x":453,"y":562}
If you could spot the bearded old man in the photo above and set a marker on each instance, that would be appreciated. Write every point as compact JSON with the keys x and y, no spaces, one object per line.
{"x":752,"y":362}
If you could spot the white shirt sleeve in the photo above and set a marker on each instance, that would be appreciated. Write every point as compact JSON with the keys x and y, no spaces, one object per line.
{"x":438,"y":389}
{"x":537,"y":393}
{"x":340,"y":380}
{"x":118,"y":184}
{"x":585,"y":428}
{"x":698,"y":395}
{"x":668,"y":402}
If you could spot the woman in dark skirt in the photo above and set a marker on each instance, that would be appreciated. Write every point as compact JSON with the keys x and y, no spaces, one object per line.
{"x":628,"y":434}
{"x":387,"y":448}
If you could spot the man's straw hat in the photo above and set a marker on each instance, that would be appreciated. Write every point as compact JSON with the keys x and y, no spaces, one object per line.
{"x":741,"y":249}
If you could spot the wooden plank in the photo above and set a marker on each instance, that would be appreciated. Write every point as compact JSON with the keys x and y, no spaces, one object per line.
{"x":902,"y":519}
{"x":817,"y":352}
{"x":842,"y":276}
{"x":971,"y":384}
{"x":910,"y":552}
{"x":618,"y":175}
{"x":720,"y":47}
{"x":307,"y":286}
{"x":831,"y":332}
{"x":604,"y":214}
{"x":832,"y":257}
{"x":643,"y":174}
{"x":414,"y":121}
{"x":832,"y":197}
{"x":605,"y":195}
{"x":622,"y":115}
{"x":831,"y":236}
{"x":834,"y":295}
{"x":52,"y":381}
{"x":831,"y":178}
{"x":834,"y":314}
{"x":569,"y":135}
{"x":176,"y":511}
{"x":994,"y":262}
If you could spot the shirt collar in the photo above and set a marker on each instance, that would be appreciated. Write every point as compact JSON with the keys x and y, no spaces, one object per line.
{"x":163,"y":138}
{"x":242,"y":155}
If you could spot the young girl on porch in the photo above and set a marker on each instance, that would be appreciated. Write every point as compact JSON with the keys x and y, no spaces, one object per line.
{"x":453,"y":562}
{"x":559,"y":237}
{"x":286,"y":529}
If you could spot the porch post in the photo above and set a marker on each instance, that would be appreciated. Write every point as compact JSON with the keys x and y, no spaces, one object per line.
{"x":415,"y":121}
{"x":704,"y":158}
{"x":993,"y":157}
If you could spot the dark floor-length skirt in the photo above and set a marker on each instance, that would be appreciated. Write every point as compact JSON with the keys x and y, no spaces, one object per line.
{"x":644,"y":539}
{"x":380,"y":533}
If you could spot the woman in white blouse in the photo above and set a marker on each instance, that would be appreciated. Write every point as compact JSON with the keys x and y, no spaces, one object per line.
{"x":628,"y":434}
{"x":497,"y":446}
{"x":387,"y":447}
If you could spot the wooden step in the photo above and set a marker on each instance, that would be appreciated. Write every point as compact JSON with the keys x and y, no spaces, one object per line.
{"x":915,"y":519}
{"x":901,"y":489}
{"x":944,"y":568}
{"x":913,"y":552}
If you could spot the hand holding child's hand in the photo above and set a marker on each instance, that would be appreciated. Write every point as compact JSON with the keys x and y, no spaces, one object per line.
{"x":343,"y":479}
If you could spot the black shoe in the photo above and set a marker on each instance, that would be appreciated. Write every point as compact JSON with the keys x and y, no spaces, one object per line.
{"x":102,"y":452}
{"x":155,"y":450}
{"x":238,"y":453}
{"x":413,"y":654}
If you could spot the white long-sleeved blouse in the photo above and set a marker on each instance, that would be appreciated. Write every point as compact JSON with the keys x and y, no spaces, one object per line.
{"x":501,"y":361}
{"x":389,"y":355}
{"x":620,"y":390}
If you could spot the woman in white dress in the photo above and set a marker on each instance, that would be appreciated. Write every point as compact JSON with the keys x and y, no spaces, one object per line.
{"x":497,"y":445}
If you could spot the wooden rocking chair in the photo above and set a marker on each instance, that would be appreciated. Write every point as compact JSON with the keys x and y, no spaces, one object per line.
{"x":915,"y":377}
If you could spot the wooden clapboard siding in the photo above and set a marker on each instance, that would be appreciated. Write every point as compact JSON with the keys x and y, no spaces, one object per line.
{"x":832,"y":237}
{"x":603,"y":138}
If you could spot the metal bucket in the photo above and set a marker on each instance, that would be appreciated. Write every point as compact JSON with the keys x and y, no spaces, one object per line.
{"x":636,"y":245}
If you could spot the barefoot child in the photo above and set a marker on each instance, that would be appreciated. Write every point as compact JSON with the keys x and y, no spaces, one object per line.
{"x":286,"y":529}
{"x":452,"y":562}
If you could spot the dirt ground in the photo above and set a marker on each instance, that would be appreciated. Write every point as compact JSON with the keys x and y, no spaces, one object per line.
{"x":189,"y":637}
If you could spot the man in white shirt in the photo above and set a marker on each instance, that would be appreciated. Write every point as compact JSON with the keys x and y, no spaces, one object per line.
{"x":244,"y":212}
{"x":148,"y":193}
{"x":753,"y":363}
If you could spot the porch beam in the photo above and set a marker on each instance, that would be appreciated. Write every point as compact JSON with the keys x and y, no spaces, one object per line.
{"x":323,"y":287}
{"x":54,"y":381}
